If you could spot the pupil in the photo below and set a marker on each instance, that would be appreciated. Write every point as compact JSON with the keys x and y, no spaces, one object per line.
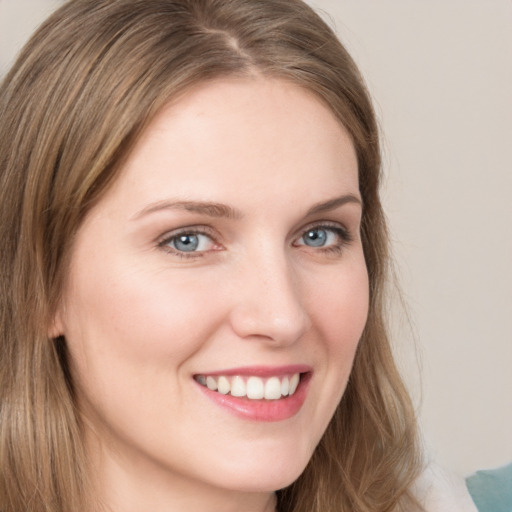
{"x":186,"y":243}
{"x":316,"y":237}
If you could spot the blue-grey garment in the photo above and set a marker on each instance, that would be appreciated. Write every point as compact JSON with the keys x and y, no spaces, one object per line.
{"x":491,"y":489}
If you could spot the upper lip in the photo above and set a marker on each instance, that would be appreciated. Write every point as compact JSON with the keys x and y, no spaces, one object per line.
{"x":261,"y":371}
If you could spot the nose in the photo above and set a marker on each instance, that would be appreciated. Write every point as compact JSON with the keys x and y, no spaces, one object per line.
{"x":269,"y":302}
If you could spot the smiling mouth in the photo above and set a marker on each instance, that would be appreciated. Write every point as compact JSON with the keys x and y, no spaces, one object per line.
{"x":252,"y":387}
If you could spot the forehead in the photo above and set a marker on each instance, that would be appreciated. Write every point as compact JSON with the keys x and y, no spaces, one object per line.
{"x":241,"y":134}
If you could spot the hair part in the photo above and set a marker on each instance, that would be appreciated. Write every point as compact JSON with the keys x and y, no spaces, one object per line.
{"x":74,"y":104}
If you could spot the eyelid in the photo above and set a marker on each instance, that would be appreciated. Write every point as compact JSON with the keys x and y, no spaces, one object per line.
{"x":345,"y":235}
{"x":326,"y":224}
{"x":164,"y":241}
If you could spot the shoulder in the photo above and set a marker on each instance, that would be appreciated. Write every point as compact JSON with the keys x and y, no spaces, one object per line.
{"x":491,"y":489}
{"x":438,"y":490}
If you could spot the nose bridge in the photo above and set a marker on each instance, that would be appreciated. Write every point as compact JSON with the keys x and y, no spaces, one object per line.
{"x":269,"y":303}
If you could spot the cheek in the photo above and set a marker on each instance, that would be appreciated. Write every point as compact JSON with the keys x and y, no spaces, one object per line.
{"x":340,"y":310}
{"x":127,"y":319}
{"x":132,"y":336}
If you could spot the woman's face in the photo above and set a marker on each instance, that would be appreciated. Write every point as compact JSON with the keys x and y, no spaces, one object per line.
{"x":226,"y":255}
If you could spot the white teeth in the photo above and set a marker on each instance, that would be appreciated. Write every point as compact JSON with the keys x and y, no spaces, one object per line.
{"x":285,"y":386}
{"x":273,"y":389}
{"x":238,"y":387}
{"x":223,"y":386}
{"x":294,"y":382}
{"x":211,"y":383}
{"x":254,"y":388}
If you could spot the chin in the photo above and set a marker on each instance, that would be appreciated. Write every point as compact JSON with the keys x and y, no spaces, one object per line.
{"x":266,"y":474}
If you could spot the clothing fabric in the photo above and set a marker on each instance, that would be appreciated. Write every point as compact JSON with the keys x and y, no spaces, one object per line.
{"x":439,"y":490}
{"x":491,"y":490}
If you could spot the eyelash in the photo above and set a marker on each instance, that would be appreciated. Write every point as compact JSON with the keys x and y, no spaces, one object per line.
{"x":194,"y":231}
{"x":344,"y":236}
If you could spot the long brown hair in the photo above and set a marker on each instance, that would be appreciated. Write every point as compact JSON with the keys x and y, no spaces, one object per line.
{"x":72,"y":107}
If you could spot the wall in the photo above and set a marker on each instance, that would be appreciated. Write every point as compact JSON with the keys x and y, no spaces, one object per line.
{"x":441,"y":75}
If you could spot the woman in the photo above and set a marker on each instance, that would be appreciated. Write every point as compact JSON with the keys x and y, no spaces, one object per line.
{"x":194,"y":267}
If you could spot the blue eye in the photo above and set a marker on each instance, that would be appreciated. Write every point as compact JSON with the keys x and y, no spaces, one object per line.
{"x":325,"y":237}
{"x":189,"y":242}
{"x":317,"y":237}
{"x":186,"y":243}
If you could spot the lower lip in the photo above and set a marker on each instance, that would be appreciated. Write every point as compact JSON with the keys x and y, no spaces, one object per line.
{"x":262,"y":410}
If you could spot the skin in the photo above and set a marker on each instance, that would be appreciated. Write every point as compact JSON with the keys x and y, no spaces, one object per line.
{"x":141,"y":319}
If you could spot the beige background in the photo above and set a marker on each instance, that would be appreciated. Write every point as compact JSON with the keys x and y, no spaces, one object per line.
{"x":441,"y":75}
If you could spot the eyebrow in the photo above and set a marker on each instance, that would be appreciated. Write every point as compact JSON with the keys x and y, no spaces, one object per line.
{"x":210,"y":209}
{"x":219,"y":210}
{"x":332,"y":204}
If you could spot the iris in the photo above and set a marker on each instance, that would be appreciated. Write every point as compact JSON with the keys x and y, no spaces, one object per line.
{"x":315,"y":237}
{"x":186,"y":242}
